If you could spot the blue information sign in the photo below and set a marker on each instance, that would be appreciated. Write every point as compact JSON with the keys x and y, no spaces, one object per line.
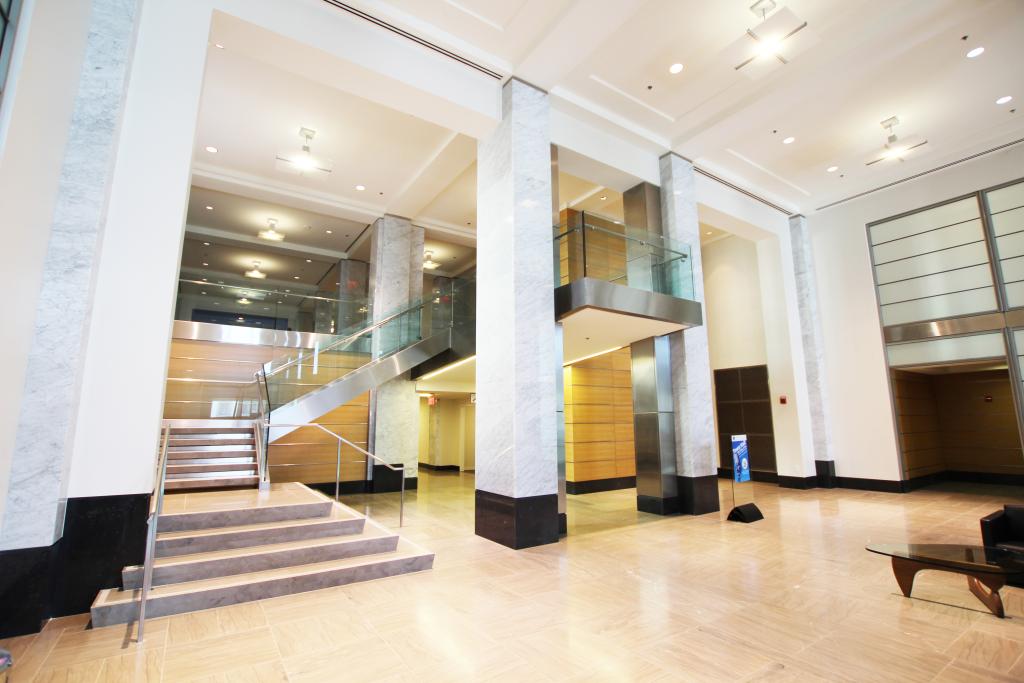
{"x":740,"y":458}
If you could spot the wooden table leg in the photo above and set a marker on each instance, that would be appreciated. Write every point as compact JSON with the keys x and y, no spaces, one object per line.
{"x":905,"y":571}
{"x":990,"y":598}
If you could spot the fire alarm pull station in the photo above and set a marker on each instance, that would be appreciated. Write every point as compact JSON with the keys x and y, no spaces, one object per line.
{"x":783,"y":400}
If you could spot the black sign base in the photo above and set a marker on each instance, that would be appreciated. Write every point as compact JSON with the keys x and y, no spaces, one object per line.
{"x":745,"y":513}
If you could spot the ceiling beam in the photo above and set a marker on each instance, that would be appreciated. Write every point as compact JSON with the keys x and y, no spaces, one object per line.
{"x":233,"y":238}
{"x":448,"y":161}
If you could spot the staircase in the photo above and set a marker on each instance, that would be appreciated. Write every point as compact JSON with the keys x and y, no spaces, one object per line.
{"x":221,"y":548}
{"x":217,"y":456}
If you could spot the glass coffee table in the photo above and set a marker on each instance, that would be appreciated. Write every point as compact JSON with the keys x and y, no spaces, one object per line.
{"x":987,"y":569}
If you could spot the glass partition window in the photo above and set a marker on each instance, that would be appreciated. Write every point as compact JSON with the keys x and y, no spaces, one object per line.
{"x":933,"y":264}
{"x":947,"y":350}
{"x":588,"y":245}
{"x":1006,"y":216}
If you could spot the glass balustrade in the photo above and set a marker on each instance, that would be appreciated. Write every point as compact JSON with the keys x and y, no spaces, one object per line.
{"x":593,"y":246}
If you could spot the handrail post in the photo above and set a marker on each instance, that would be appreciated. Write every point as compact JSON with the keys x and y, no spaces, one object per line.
{"x":337,"y":473}
{"x":401,"y":499}
{"x":154,"y":517}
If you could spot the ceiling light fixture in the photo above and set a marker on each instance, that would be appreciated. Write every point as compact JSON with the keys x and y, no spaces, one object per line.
{"x":295,"y":277}
{"x":256,"y":272}
{"x":271,"y":232}
{"x":769,"y":46}
{"x":329,"y":232}
{"x":1004,"y":99}
{"x":831,"y":169}
{"x":205,"y":263}
{"x":360,"y":188}
{"x":209,"y":208}
{"x":304,"y":163}
{"x":675,"y":68}
{"x":309,"y":260}
{"x":790,"y":140}
{"x":244,"y":301}
{"x":218,"y":46}
{"x":708,"y":232}
{"x":206,"y":244}
{"x":895,"y":148}
{"x":211,"y":149}
{"x":428,"y":261}
{"x":976,"y":52}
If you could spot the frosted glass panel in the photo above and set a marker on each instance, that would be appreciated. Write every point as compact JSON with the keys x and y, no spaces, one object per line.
{"x":1013,"y":269}
{"x":945,"y":306}
{"x":1009,"y":197}
{"x":1008,"y":221}
{"x":937,"y":262}
{"x":1009,"y":246}
{"x":933,"y":240}
{"x":1015,"y":294}
{"x":947,"y":350}
{"x":941,"y":283}
{"x":940,"y":216}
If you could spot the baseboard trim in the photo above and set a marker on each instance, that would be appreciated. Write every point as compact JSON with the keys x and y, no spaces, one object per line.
{"x":825,"y":470}
{"x":756,"y":475}
{"x":798,"y":482}
{"x":880,"y":485}
{"x":577,"y":488}
{"x":439,"y":468}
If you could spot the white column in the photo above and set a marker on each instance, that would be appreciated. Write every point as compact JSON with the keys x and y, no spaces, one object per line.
{"x":396,"y":280}
{"x":696,"y":447}
{"x":516,"y":366}
{"x":40,"y":465}
{"x":814,"y":348}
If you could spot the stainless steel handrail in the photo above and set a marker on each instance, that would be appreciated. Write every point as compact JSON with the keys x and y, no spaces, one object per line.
{"x":156,"y":506}
{"x":297,"y":295}
{"x":337,"y":480}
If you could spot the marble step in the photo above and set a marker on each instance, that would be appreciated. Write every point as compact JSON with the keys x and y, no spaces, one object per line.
{"x":216,"y":467}
{"x":340,"y":521}
{"x":196,"y":566}
{"x":177,"y":484}
{"x":210,"y":430}
{"x":210,"y":452}
{"x":113,"y":606}
{"x":203,"y":440}
{"x":252,"y":513}
{"x":201,"y":459}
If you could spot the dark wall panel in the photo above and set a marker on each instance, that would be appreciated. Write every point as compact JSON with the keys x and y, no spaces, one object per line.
{"x":743,"y":406}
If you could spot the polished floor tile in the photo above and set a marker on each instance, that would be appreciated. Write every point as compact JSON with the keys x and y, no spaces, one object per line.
{"x":626,"y":596}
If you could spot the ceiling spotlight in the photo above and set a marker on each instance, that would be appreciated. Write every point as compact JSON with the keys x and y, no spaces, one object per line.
{"x":603,"y":197}
{"x":304,"y":163}
{"x":205,"y":263}
{"x":675,"y":68}
{"x":206,"y":244}
{"x":271,"y":232}
{"x":360,"y":188}
{"x":211,"y":149}
{"x":309,"y":260}
{"x":203,"y":293}
{"x":329,"y":232}
{"x":209,"y":208}
{"x":244,"y":301}
{"x":1004,"y":99}
{"x":895,"y":148}
{"x":774,"y":34}
{"x":256,"y":272}
{"x":789,"y":141}
{"x":976,"y":52}
{"x":708,"y":232}
{"x":428,"y":261}
{"x":295,"y":277}
{"x":831,"y":169}
{"x":218,"y":46}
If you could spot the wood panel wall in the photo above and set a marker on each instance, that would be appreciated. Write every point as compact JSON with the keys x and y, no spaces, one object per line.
{"x":308,"y":445}
{"x":599,"y":418}
{"x":917,"y":421}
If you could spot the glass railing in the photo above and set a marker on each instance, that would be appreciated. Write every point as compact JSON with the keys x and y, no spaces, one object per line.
{"x":293,"y":372}
{"x":239,"y":303}
{"x":594,"y":246}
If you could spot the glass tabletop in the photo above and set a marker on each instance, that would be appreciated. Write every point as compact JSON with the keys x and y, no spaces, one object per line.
{"x":973,"y":558}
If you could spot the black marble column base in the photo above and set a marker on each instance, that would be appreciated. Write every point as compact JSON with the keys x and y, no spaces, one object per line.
{"x":563,"y":524}
{"x":386,"y":480}
{"x":698,"y":495}
{"x":658,"y":506}
{"x":826,"y":471}
{"x":517,"y":522}
{"x":798,"y":482}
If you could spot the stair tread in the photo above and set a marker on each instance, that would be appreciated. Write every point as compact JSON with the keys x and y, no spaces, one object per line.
{"x":406,"y":549}
{"x":369,"y":532}
{"x":174,"y":483}
{"x":337,"y":513}
{"x":199,"y":468}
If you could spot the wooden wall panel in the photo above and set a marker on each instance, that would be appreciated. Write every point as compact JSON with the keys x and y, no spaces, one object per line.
{"x":599,"y":418}
{"x":917,"y":423}
{"x":290,"y":453}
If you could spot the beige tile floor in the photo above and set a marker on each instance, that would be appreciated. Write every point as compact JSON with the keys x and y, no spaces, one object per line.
{"x":627,"y":596}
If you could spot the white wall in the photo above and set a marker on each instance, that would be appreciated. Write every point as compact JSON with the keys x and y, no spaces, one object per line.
{"x":863,"y":436}
{"x":732,"y":303}
{"x":36,"y":111}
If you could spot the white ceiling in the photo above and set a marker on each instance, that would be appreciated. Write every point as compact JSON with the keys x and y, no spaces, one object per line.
{"x":591,"y":331}
{"x":863,"y":62}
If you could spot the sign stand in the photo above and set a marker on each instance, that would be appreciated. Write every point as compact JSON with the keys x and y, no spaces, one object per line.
{"x":743,"y":507}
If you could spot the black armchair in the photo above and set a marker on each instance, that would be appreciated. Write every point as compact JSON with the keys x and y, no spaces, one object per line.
{"x":1004,"y":529}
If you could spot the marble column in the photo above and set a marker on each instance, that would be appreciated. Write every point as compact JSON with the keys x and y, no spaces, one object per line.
{"x":696,"y":447}
{"x":516,"y":366}
{"x":396,"y":280}
{"x":814,"y":349}
{"x":37,"y":488}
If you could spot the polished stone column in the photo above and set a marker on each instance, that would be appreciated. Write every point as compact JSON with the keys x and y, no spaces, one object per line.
{"x":396,"y":280}
{"x":37,"y":489}
{"x":814,"y":349}
{"x":696,"y":447}
{"x":516,"y":366}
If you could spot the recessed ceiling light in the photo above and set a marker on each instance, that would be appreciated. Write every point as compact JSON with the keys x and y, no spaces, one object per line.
{"x":708,"y":232}
{"x":244,"y":301}
{"x":788,"y":141}
{"x":203,"y":293}
{"x":206,"y":244}
{"x":360,"y":188}
{"x":218,"y":46}
{"x":329,"y":232}
{"x":309,"y":260}
{"x":204,"y":279}
{"x":1004,"y":99}
{"x":205,"y":263}
{"x":211,"y":149}
{"x":209,"y":208}
{"x":295,"y":277}
{"x":603,"y":198}
{"x":975,"y":52}
{"x":831,"y":169}
{"x":675,"y":68}
{"x":280,"y":302}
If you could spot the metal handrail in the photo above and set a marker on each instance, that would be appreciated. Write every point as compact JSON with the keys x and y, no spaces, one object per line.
{"x":337,"y":480}
{"x":156,"y":506}
{"x":275,"y":292}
